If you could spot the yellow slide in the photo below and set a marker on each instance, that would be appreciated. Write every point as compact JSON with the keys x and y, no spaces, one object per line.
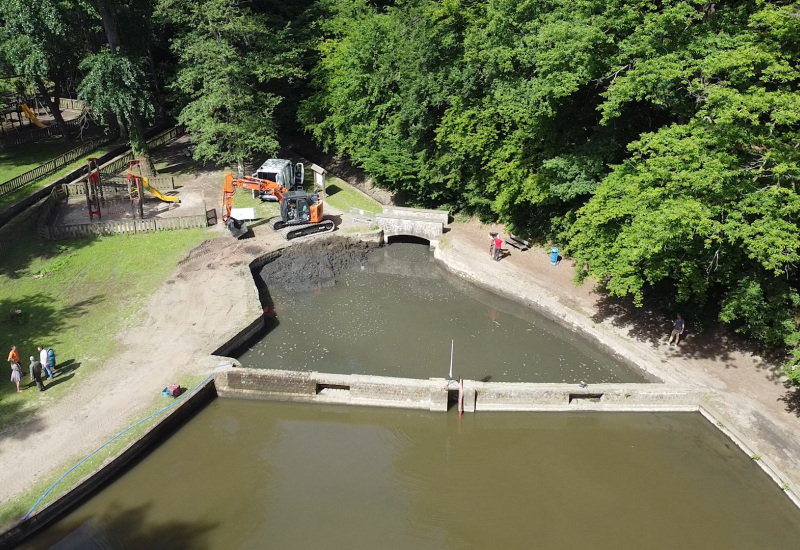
{"x":158,"y":194}
{"x":30,"y":114}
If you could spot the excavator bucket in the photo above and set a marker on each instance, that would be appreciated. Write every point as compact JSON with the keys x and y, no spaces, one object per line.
{"x":238,"y":228}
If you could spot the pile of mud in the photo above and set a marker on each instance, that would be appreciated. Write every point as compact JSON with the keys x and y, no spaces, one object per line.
{"x":306,"y":266}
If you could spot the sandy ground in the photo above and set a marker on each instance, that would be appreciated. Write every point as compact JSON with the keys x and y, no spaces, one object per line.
{"x":210,"y":296}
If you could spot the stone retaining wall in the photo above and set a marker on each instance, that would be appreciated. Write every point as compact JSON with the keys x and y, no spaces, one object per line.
{"x":432,"y":394}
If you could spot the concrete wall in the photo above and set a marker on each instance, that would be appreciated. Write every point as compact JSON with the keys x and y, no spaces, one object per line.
{"x":431,"y":394}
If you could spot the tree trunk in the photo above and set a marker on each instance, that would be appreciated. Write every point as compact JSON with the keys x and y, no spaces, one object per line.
{"x":109,"y":19}
{"x":53,"y":107}
{"x":159,"y":104}
{"x":140,"y":150}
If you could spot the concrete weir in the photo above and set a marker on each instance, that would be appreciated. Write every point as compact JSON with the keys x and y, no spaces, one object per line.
{"x":436,"y":394}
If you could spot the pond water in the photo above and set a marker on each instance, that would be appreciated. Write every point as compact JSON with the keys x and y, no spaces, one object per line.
{"x":400,"y":314}
{"x":250,"y":474}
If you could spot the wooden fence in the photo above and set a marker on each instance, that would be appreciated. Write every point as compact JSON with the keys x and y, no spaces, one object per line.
{"x":72,"y":104}
{"x":117,"y":186}
{"x":78,"y":231}
{"x":24,"y":137}
{"x":120,"y":163}
{"x":52,"y":165}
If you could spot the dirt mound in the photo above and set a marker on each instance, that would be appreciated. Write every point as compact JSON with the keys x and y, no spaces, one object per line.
{"x":309,"y":265}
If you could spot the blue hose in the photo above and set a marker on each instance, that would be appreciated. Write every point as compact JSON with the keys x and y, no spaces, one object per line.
{"x":123,"y":432}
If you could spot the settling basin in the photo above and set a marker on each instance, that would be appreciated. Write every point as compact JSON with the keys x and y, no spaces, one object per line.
{"x":398,"y":313}
{"x":250,"y":474}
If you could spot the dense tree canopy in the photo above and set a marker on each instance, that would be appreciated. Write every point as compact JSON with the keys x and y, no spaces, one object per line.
{"x":655,"y":142}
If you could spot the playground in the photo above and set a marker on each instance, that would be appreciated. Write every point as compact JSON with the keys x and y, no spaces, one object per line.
{"x":110,"y":202}
{"x":29,"y":112}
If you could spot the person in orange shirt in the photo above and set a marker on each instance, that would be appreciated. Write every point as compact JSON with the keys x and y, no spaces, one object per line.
{"x":16,"y":368}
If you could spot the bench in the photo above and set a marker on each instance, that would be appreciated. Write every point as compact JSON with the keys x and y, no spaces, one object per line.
{"x":516,"y":242}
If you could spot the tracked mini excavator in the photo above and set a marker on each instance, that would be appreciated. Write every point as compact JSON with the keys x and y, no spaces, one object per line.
{"x":301,"y":212}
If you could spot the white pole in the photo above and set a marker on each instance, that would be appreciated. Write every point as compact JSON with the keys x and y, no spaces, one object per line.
{"x":452,"y":342}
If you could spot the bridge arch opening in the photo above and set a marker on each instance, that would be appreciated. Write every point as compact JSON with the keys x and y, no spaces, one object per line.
{"x":413,"y":239}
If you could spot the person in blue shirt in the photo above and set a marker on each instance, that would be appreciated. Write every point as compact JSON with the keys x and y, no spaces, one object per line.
{"x":678,"y":327}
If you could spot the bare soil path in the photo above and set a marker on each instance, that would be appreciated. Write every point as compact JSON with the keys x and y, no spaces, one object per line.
{"x":211,"y":295}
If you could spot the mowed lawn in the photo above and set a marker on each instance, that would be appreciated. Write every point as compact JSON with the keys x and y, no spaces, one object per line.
{"x":74,"y":297}
{"x":18,"y":160}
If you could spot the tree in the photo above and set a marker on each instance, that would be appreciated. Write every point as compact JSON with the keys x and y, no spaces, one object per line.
{"x":709,"y":203}
{"x":36,"y":41}
{"x":229,"y":59}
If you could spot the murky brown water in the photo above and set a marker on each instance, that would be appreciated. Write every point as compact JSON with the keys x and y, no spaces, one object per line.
{"x":397,"y":316}
{"x":247,"y":474}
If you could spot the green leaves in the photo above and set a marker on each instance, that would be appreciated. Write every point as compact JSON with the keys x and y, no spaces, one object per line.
{"x":658,"y":142}
{"x":115,"y":84}
{"x":229,"y":60}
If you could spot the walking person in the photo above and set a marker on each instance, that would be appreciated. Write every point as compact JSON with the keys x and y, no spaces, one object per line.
{"x":36,"y":373}
{"x":16,"y":368}
{"x":44,"y":359}
{"x":678,"y":326}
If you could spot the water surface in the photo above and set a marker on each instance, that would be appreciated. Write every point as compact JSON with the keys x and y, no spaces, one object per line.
{"x":399,"y":314}
{"x":249,"y":474}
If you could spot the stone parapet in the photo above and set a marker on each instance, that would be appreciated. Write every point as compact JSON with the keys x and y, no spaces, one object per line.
{"x":437,"y":394}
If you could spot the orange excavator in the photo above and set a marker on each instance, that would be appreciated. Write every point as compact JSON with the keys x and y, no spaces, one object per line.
{"x":301,"y":212}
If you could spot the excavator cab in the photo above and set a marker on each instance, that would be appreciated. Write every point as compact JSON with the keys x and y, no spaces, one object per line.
{"x":300,"y":207}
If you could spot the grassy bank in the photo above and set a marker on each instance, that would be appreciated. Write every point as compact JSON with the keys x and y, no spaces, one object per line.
{"x":343,"y":196}
{"x":75,"y":297}
{"x":14,"y":196}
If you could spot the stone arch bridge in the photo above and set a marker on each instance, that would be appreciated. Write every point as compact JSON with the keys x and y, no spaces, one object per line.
{"x":396,"y":221}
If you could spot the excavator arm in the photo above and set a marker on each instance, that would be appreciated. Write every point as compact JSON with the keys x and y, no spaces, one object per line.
{"x":246,"y":182}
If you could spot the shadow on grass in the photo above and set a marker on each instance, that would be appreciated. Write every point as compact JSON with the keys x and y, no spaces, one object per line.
{"x":60,"y":379}
{"x":16,"y":260}
{"x":119,"y":527}
{"x":37,"y":317}
{"x":66,"y":367}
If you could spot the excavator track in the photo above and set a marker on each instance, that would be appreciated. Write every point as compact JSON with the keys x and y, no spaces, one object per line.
{"x":290,"y":232}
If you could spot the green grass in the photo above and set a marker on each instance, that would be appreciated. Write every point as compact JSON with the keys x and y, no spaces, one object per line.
{"x":244,"y":199}
{"x":18,"y":160}
{"x":343,"y":196}
{"x":11,"y":198}
{"x":16,"y":508}
{"x":75,"y":297}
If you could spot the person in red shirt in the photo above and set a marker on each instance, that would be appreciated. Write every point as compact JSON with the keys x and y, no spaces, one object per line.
{"x":495,"y":247}
{"x":16,"y":368}
{"x":13,"y":355}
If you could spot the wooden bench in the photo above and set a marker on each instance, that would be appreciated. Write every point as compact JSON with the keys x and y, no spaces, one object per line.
{"x":516,"y":242}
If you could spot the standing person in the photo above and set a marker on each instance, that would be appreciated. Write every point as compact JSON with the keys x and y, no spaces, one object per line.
{"x":678,"y":327}
{"x":13,"y":355}
{"x":496,"y":247}
{"x":44,"y":359}
{"x":16,"y":369}
{"x":36,"y":373}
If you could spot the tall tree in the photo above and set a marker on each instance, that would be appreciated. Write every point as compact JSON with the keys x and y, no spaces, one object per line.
{"x":36,"y":41}
{"x":229,"y":59}
{"x":115,"y":82}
